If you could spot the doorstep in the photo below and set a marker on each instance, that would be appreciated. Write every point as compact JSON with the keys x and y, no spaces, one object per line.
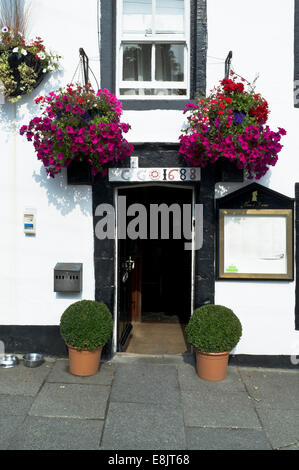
{"x":171,"y":359}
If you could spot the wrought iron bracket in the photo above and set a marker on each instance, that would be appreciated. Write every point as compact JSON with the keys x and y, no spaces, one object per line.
{"x":85,"y":64}
{"x":228,"y":62}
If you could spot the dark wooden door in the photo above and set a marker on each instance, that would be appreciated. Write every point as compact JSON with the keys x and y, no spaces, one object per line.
{"x":126,"y":268}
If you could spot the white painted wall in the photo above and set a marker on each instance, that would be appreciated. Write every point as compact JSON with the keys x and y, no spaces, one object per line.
{"x":64,"y":214}
{"x":260,"y":33}
{"x":261,"y":36}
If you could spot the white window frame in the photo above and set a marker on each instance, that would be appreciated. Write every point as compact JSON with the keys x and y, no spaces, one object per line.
{"x":153,"y":39}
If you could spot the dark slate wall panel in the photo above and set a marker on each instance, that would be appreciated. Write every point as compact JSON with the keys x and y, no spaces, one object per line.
{"x":297,"y":256}
{"x":205,"y":258}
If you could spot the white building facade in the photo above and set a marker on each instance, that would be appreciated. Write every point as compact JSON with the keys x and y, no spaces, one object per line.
{"x":262,"y":36}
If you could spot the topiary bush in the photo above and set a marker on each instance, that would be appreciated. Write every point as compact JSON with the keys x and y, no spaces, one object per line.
{"x":86,"y":325}
{"x":214,"y":329}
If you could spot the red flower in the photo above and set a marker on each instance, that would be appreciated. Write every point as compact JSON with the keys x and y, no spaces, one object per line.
{"x":261,"y":112}
{"x":231,"y":86}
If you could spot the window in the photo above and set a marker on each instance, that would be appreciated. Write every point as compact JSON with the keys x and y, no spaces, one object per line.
{"x":153,"y":49}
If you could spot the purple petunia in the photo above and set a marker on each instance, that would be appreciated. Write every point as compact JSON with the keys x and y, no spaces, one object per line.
{"x":238,"y":117}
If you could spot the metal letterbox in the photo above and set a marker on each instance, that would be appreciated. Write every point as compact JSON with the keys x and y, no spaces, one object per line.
{"x":68,"y":277}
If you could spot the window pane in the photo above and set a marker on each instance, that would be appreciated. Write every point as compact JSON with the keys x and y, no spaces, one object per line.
{"x":137,"y":59}
{"x":153,"y":92}
{"x":137,"y":16}
{"x":170,"y":62}
{"x":170,"y":16}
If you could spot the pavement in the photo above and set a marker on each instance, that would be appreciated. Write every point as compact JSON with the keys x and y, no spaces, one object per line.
{"x":148,"y":403}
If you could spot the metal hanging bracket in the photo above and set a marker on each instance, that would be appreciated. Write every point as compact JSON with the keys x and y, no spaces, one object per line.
{"x":228,"y":62}
{"x":85,"y":63}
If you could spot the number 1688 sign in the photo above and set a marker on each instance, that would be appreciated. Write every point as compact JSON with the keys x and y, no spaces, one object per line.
{"x":139,"y":175}
{"x":176,"y":174}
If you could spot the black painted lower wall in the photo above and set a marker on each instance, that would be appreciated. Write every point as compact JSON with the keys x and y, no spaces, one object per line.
{"x":47,"y":340}
{"x":33,"y":339}
{"x":36,"y":339}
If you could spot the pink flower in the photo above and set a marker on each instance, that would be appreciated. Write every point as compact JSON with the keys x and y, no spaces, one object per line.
{"x":282,"y":131}
{"x":23,"y":130}
{"x":58,"y":141}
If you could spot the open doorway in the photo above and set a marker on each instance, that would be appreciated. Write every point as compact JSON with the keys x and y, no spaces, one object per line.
{"x":155,"y":279}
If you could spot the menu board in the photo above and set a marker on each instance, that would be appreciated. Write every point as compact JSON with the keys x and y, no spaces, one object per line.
{"x":255,"y":244}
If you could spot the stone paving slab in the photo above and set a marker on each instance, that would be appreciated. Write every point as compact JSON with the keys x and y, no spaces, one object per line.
{"x":282,"y":426}
{"x":143,"y":427}
{"x":226,"y":439}
{"x":277,"y":389}
{"x":189,"y":380}
{"x":172,"y":360}
{"x":220,"y":410}
{"x":155,"y":403}
{"x":22,"y":380}
{"x":143,"y":383}
{"x":37,"y":433}
{"x":14,"y":405}
{"x":71,"y":401}
{"x":60,"y":374}
{"x":8,"y":428}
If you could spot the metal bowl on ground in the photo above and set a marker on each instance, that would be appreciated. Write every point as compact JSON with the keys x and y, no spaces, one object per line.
{"x":33,"y":360}
{"x":8,"y":361}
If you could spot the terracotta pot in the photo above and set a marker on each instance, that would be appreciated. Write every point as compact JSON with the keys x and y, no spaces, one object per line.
{"x":84,"y":363}
{"x":212,"y":366}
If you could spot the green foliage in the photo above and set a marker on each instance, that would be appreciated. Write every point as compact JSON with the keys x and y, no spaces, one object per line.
{"x":14,"y":49}
{"x":214,"y":329}
{"x":86,"y":325}
{"x":6,"y":75}
{"x":105,"y":118}
{"x":28,"y":78}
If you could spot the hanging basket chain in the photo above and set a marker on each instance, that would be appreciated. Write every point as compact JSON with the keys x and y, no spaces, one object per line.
{"x":82,"y":70}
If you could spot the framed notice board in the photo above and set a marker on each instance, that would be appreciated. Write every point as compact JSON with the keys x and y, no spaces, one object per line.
{"x":255,"y":235}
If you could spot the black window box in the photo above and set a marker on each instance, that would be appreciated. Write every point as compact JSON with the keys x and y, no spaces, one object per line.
{"x":227,"y":172}
{"x":79,"y":173}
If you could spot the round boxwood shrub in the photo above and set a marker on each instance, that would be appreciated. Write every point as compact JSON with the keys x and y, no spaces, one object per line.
{"x":86,"y":325}
{"x":214,"y":329}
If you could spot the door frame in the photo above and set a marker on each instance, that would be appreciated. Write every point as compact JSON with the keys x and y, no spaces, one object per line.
{"x":190,"y":187}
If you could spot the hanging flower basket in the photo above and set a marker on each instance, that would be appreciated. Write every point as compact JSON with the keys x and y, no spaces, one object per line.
{"x":79,"y":125}
{"x":23,"y":65}
{"x":230,"y":124}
